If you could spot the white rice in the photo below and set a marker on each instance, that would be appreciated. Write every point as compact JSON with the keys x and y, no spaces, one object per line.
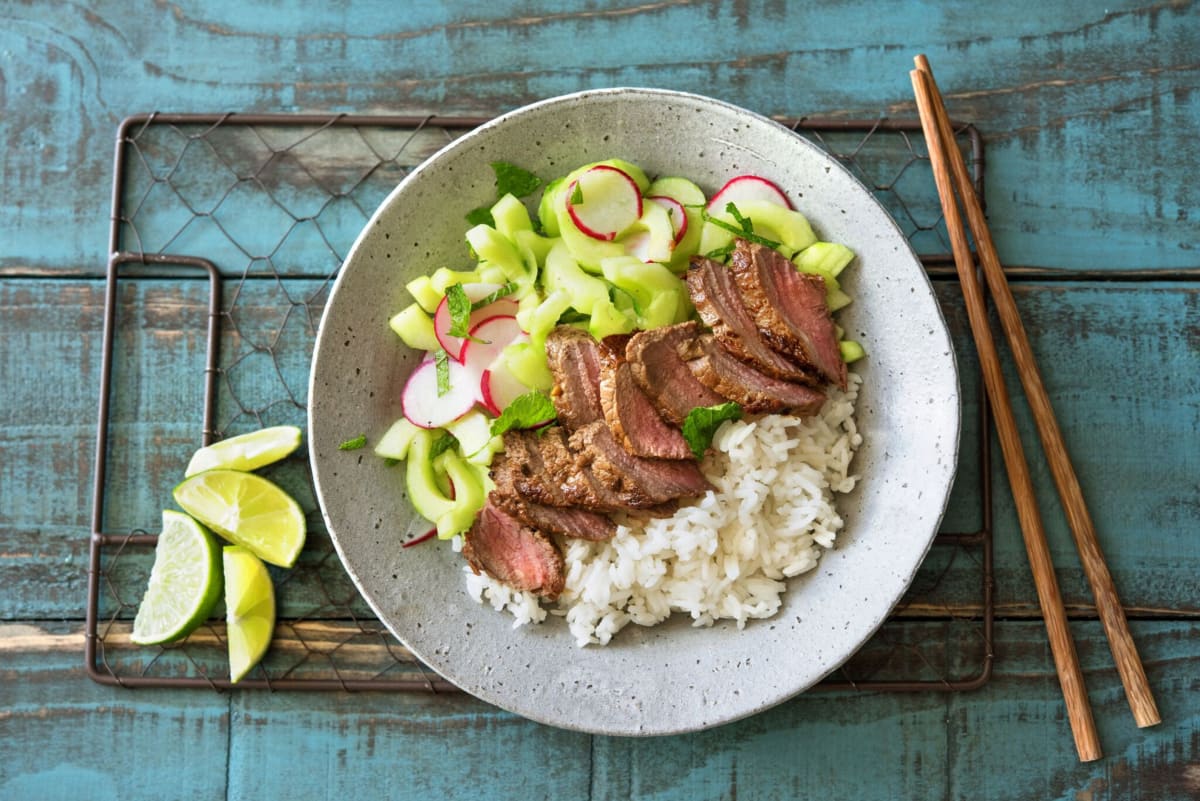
{"x":726,"y":555}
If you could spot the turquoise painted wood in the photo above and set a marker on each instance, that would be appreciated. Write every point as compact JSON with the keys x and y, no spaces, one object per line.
{"x":1089,"y":112}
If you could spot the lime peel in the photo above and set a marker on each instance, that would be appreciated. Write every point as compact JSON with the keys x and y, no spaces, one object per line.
{"x":185,"y":582}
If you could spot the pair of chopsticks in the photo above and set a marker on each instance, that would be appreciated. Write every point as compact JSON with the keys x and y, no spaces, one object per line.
{"x":950,"y":174}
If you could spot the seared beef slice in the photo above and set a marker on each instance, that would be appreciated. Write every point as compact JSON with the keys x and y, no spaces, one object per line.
{"x":789,"y":309}
{"x":719,"y":303}
{"x":757,"y":392}
{"x":574,"y":358}
{"x":568,"y":521}
{"x":632,"y":418}
{"x":661,"y":373}
{"x":521,"y":557}
{"x":644,"y":482}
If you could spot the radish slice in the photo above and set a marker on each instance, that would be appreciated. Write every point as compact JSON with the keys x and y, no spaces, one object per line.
{"x":679,"y":220}
{"x":474,"y":292}
{"x":425,"y":408}
{"x":499,"y":387}
{"x":491,"y":337}
{"x":609,"y":202}
{"x":747,"y":187}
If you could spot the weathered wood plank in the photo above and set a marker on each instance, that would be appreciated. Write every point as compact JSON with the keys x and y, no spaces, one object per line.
{"x":1082,"y":105}
{"x":1122,"y":367}
{"x":1009,"y":740}
{"x":66,"y":737}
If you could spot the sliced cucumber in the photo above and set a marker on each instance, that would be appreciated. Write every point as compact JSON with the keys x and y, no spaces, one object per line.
{"x":529,"y":365}
{"x":472,"y":430}
{"x":415,"y":327}
{"x":788,"y":227}
{"x":468,"y":494}
{"x":851,"y":350}
{"x":394,"y":444}
{"x":681,"y":189}
{"x":426,"y":496}
{"x":493,"y":247}
{"x":828,"y":258}
{"x":424,"y":293}
{"x":444,"y":277}
{"x":510,"y":216}
{"x":562,"y":273}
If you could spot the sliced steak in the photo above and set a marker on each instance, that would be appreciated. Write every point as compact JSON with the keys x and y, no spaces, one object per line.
{"x":568,"y":521}
{"x":645,"y":482}
{"x":520,"y":471}
{"x":574,"y":359}
{"x":789,"y":308}
{"x":758,"y":393}
{"x":633,"y":419}
{"x":662,"y":374}
{"x":719,"y":303}
{"x":518,"y":555}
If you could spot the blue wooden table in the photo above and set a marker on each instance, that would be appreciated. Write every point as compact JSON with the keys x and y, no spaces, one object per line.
{"x":1089,"y":115}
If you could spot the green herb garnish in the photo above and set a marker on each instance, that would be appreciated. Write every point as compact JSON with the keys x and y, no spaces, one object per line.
{"x":513,"y":180}
{"x":703,"y":421}
{"x":746,"y":223}
{"x":528,"y":410}
{"x":442,"y":444}
{"x":577,"y":195}
{"x":353,"y":444}
{"x":441,"y":363}
{"x":744,"y":228}
{"x":481,"y":216}
{"x":460,"y":311}
{"x":720,"y":254}
{"x":507,"y":289}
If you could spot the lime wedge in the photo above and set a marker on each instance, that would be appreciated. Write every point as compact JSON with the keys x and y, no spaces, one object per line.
{"x":246,"y":510}
{"x":185,"y":582}
{"x":246,"y":451}
{"x":249,"y":609}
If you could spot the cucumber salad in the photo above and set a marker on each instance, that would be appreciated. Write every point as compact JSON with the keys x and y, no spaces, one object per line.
{"x":604,"y":251}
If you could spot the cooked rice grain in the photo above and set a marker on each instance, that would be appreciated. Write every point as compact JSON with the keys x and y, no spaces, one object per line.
{"x":725,"y":556}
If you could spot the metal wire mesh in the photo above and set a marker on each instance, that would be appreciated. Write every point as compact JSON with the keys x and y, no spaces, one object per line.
{"x":239,"y":224}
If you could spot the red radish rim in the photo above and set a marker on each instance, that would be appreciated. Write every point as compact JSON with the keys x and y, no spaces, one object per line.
{"x":683,"y":224}
{"x":589,"y":231}
{"x":718,"y":202}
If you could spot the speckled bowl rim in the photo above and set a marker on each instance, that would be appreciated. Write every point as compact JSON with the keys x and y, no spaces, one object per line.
{"x":567,"y":716}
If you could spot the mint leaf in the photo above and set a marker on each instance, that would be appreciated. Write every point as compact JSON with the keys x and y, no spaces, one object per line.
{"x":720,"y":254}
{"x":511,"y":179}
{"x":442,"y":444}
{"x":441,"y":363}
{"x":741,"y":231}
{"x":460,"y":311}
{"x":746,"y":223}
{"x":526,"y":411}
{"x":353,"y":444}
{"x":503,"y":291}
{"x":481,"y":216}
{"x":703,"y":421}
{"x":577,"y":194}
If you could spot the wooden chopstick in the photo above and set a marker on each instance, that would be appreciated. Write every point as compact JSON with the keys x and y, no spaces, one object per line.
{"x":1062,"y":647}
{"x":1108,"y":604}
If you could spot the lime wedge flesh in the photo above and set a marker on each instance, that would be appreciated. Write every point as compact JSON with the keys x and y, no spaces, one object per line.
{"x":247,"y":510}
{"x":246,"y":451}
{"x":249,"y":609}
{"x":185,"y":582}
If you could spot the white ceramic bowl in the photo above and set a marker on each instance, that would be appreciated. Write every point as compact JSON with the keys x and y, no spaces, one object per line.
{"x":672,"y":677}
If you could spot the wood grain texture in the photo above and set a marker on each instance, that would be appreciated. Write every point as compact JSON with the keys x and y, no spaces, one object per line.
{"x":1087,"y":109}
{"x":1007,"y":742}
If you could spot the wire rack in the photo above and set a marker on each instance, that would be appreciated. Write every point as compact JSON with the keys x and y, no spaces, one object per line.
{"x":227,"y":232}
